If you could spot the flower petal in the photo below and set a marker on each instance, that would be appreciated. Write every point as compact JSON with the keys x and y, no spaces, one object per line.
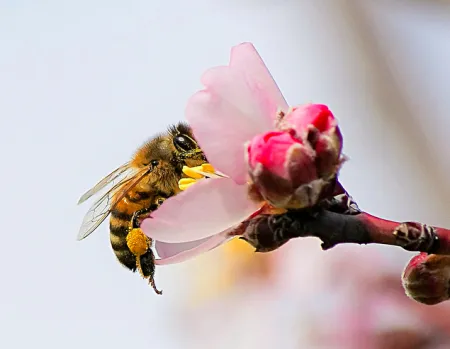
{"x":240,"y":101}
{"x":222,"y":131}
{"x":243,"y":94}
{"x":177,"y":253}
{"x":167,"y":249}
{"x":202,"y":210}
{"x":246,"y":59}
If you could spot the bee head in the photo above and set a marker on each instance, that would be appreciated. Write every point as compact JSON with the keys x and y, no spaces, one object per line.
{"x":175,"y":148}
{"x":186,"y":148}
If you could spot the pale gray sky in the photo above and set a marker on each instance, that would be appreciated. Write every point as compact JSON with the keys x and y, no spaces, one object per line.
{"x":83,"y":83}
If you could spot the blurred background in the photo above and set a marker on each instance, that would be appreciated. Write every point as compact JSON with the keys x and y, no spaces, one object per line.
{"x":82,"y":84}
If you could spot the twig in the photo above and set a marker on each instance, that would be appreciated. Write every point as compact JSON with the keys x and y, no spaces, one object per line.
{"x":338,"y":221}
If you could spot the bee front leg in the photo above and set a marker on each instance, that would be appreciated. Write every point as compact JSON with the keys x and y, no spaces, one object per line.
{"x":192,"y":154}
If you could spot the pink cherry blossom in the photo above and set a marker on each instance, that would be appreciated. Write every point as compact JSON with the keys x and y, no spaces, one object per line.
{"x":239,"y":101}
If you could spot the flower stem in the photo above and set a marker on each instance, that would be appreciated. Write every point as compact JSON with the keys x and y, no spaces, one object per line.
{"x":333,"y":226}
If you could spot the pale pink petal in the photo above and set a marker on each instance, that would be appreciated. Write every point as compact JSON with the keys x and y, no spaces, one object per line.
{"x":177,"y":253}
{"x":239,"y":102}
{"x":167,"y":249}
{"x":243,"y":94}
{"x":222,"y":131}
{"x":247,"y":60}
{"x":204,"y":209}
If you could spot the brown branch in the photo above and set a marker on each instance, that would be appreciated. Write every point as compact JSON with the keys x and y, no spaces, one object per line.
{"x":268,"y":232}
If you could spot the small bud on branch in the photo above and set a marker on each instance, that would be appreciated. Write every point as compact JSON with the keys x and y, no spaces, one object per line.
{"x":338,"y":220}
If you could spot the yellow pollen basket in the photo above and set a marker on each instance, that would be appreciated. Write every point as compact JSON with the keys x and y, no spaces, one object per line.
{"x":194,"y":174}
{"x":137,"y":242}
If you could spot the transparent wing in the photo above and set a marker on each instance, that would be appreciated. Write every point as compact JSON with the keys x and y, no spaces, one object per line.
{"x":114,"y":176}
{"x":101,"y":209}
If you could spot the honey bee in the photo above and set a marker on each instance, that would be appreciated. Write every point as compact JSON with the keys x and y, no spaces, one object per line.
{"x":137,"y":188}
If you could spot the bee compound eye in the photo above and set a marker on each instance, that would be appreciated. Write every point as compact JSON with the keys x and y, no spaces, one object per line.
{"x":154,"y":163}
{"x":184,"y":143}
{"x":160,"y":201}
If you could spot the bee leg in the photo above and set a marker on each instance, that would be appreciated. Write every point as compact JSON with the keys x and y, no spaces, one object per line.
{"x":147,"y":263}
{"x":140,"y":245}
{"x":138,"y":215}
{"x":137,"y":242}
{"x":190,"y":154}
{"x":143,"y":213}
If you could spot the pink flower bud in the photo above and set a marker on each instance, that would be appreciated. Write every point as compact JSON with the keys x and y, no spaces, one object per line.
{"x":273,"y":150}
{"x":317,"y":125}
{"x":426,"y":278}
{"x":292,"y":167}
{"x":302,"y":117}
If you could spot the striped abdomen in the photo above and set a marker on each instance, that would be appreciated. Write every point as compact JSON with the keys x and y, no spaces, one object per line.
{"x":120,"y":223}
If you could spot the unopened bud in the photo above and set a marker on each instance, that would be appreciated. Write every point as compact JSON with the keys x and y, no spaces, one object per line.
{"x":291,"y":167}
{"x":426,"y":278}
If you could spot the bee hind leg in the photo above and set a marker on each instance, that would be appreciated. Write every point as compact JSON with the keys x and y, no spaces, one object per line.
{"x":147,"y":263}
{"x":140,"y":245}
{"x":137,"y":242}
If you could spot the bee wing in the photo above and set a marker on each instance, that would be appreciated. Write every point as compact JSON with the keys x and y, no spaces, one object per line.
{"x":101,"y":209}
{"x":118,"y":172}
{"x":134,"y":180}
